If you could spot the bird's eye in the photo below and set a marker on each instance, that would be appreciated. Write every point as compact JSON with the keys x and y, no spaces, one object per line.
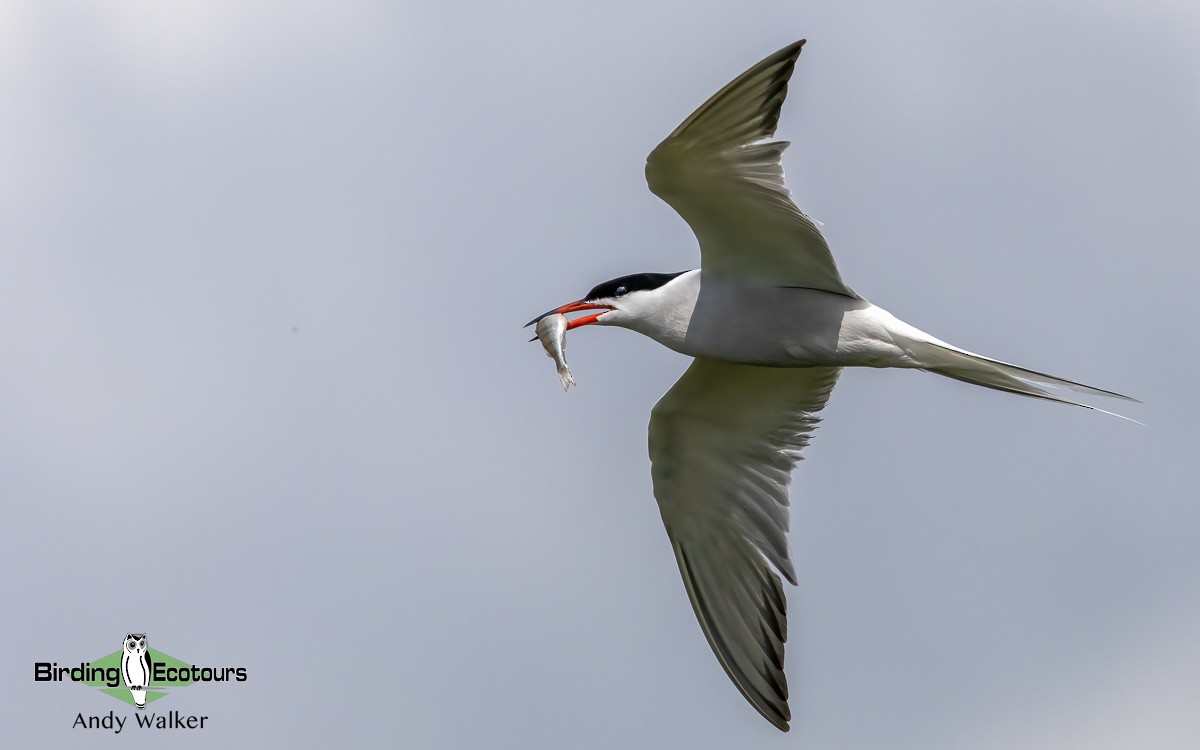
{"x":620,"y":290}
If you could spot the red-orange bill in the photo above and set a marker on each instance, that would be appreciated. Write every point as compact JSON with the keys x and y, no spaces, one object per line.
{"x":571,"y":307}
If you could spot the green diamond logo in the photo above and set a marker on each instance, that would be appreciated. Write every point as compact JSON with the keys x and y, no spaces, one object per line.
{"x":135,"y":674}
{"x":179,"y":670}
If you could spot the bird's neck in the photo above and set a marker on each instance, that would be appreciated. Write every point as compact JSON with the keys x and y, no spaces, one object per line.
{"x":665,"y":315}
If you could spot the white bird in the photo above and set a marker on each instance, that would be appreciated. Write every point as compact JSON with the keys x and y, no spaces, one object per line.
{"x":770,"y":324}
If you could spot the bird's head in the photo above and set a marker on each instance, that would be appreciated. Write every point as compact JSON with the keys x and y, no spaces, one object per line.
{"x":622,"y":301}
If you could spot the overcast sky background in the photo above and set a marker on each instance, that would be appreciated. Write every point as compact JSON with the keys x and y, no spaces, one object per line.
{"x":265,"y":395}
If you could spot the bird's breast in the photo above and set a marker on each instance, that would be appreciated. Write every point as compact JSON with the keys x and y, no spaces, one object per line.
{"x":784,"y":327}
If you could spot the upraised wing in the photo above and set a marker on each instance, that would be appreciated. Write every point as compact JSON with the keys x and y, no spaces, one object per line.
{"x":716,"y":171}
{"x":723,"y":442}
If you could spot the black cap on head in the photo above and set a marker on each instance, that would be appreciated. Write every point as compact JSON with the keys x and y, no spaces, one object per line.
{"x":637,"y":282}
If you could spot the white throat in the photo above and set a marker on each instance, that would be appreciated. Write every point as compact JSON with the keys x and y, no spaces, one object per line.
{"x":663,"y":314}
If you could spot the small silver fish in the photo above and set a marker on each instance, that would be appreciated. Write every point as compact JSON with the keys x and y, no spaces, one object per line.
{"x":552,"y":331}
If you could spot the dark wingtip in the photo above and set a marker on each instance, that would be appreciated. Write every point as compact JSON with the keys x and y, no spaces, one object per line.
{"x":793,"y":49}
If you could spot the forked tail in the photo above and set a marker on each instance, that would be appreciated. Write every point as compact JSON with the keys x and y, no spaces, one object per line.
{"x":944,"y":359}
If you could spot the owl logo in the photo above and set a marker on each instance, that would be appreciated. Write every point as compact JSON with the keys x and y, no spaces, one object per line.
{"x":136,"y":666}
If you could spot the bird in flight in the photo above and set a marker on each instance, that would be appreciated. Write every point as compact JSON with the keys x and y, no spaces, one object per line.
{"x":770,"y":323}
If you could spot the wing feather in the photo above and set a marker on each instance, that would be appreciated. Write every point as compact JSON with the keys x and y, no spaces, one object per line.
{"x":730,"y":190}
{"x":723,"y":442}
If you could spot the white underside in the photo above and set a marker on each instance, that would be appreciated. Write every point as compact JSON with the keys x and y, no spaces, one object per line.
{"x":771,"y":326}
{"x":734,"y":321}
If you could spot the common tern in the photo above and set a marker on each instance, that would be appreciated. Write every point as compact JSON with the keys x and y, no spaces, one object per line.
{"x":770,"y":323}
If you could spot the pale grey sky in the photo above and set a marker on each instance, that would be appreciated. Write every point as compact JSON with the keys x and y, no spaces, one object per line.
{"x":265,"y":395}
